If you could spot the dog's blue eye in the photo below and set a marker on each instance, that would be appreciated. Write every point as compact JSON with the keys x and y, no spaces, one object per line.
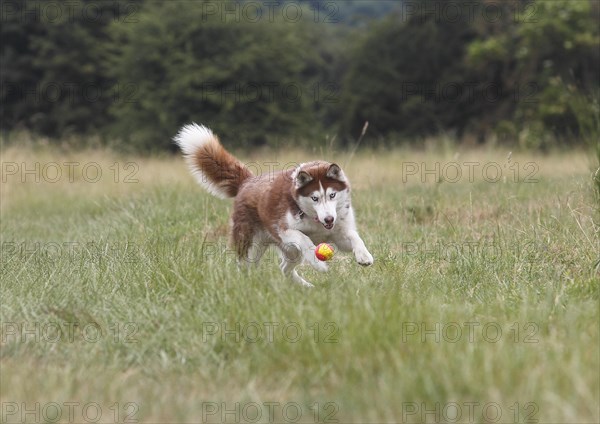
{"x":332,"y":195}
{"x":314,"y":198}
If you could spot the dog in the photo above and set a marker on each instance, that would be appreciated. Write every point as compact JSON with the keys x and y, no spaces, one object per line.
{"x":293,"y":209}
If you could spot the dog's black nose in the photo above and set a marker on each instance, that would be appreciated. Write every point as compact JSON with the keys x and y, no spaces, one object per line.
{"x":329,"y":220}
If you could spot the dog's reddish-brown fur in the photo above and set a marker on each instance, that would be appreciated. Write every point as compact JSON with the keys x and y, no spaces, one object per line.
{"x":221,"y":168}
{"x":262,"y":203}
{"x":259,"y":205}
{"x":318,"y":172}
{"x":294,"y":209}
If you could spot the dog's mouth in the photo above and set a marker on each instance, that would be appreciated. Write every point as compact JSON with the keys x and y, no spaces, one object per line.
{"x":327,"y":226}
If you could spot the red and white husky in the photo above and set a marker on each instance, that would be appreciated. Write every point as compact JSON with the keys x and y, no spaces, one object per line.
{"x":293,"y":209}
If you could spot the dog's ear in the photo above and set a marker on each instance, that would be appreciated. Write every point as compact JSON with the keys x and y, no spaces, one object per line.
{"x":335,"y":172}
{"x":303,"y":178}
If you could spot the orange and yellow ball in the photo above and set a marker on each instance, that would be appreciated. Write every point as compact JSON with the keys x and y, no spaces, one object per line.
{"x":324,"y":252}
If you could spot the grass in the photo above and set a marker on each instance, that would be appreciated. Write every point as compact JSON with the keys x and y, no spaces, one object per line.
{"x":123,"y":297}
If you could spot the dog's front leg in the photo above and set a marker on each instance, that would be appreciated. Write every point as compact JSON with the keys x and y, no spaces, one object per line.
{"x":349,"y":240}
{"x":362,"y":255}
{"x":298,"y":246}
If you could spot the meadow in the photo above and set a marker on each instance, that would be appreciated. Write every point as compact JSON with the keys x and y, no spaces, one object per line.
{"x":122,"y":302}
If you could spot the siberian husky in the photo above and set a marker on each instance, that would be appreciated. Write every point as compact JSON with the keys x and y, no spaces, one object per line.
{"x":293,"y":209}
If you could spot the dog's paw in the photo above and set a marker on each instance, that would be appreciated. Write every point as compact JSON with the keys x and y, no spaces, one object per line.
{"x":307,"y":285}
{"x":363,"y":257}
{"x":301,"y":281}
{"x":320,"y":266}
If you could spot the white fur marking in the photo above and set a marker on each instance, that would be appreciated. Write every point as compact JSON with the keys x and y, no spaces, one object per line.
{"x":190,"y":139}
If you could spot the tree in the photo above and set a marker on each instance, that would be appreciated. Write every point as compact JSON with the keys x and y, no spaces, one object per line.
{"x":53,"y":55}
{"x":407,"y":75}
{"x":249,"y":81}
{"x":547,"y":57}
{"x":523,"y":72}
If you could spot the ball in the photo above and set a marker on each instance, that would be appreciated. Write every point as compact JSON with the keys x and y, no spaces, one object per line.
{"x":324,"y":252}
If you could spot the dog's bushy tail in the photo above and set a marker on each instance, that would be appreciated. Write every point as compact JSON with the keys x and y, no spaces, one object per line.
{"x":219,"y":172}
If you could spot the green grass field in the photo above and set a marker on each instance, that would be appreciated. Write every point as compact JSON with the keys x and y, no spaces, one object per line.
{"x":121,"y":301}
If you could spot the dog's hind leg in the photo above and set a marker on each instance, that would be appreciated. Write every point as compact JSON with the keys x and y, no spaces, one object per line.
{"x":241,"y":239}
{"x":244,"y":233}
{"x":260,"y":243}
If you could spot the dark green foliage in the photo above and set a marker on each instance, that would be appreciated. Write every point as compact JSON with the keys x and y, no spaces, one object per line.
{"x":134,"y":71}
{"x":403,"y":74}
{"x":548,"y":60}
{"x":510,"y":69}
{"x":54,"y":69}
{"x":245,"y":79}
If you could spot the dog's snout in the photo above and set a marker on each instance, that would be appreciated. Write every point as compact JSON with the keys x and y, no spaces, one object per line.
{"x":329,"y":220}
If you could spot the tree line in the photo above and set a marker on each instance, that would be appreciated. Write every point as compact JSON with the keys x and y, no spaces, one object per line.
{"x":296,"y":72}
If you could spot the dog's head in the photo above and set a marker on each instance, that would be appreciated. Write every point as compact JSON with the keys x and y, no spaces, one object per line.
{"x":321,"y":190}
